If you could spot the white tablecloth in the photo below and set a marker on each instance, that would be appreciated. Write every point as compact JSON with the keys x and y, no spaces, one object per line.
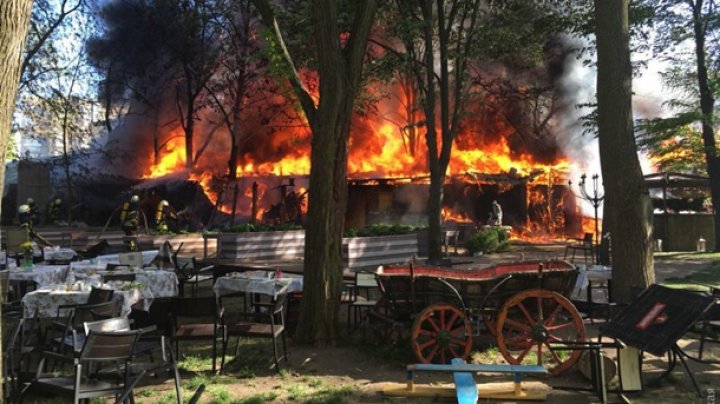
{"x":148,"y":256}
{"x":42,"y":275}
{"x":45,"y":303}
{"x":160,"y":283}
{"x":257,"y":282}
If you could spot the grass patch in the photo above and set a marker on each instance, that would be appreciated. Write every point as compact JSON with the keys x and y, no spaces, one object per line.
{"x":490,"y":355}
{"x":261,"y":398}
{"x":297,"y":391}
{"x":687,"y":256}
{"x":220,"y":395}
{"x":146,"y":393}
{"x":701,"y":280}
{"x":331,"y":395}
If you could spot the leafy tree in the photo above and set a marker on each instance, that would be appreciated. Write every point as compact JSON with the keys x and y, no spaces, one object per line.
{"x":628,"y":210}
{"x":686,"y":32}
{"x":155,"y":48}
{"x":444,"y":45}
{"x":340,"y":37}
{"x":14,"y":21}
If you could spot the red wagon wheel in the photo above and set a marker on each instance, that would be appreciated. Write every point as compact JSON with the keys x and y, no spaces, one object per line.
{"x":441,"y":332}
{"x":531,"y":325}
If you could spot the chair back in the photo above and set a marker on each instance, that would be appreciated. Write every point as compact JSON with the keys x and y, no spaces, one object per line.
{"x":110,"y":324}
{"x":194,"y":307}
{"x":365,"y":280}
{"x":185,"y":266}
{"x":103,"y":311}
{"x":119,"y":277}
{"x":4,"y":286}
{"x":98,"y":295}
{"x":131,"y":259}
{"x":115,"y":267}
{"x":588,"y":239}
{"x":166,"y":256}
{"x":101,"y":346}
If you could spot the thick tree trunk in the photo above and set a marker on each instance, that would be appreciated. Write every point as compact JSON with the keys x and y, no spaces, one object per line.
{"x":339,"y":70}
{"x":707,"y":103}
{"x":14,"y":19}
{"x":628,"y":207}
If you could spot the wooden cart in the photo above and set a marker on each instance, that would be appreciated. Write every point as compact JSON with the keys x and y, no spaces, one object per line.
{"x":523,"y":305}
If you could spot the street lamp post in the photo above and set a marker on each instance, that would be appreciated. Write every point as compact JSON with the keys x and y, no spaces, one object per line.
{"x":593,"y":197}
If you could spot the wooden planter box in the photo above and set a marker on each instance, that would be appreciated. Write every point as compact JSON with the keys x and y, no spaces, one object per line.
{"x":192,"y":243}
{"x":269,"y":245}
{"x":370,"y":252}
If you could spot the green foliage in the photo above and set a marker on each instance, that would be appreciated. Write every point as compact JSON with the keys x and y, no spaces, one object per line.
{"x":673,"y":144}
{"x":488,"y":241}
{"x":250,"y":228}
{"x":382,"y":230}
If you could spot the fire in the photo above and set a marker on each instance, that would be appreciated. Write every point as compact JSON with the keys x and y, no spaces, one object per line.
{"x":377,"y":148}
{"x":172,"y":158}
{"x":448,"y":214}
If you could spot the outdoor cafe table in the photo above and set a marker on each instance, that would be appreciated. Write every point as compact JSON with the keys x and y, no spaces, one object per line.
{"x":42,"y":275}
{"x":44,"y":302}
{"x":160,"y":283}
{"x":257,"y":282}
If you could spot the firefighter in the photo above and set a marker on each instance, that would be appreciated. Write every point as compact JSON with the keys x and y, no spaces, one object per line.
{"x":25,"y":217}
{"x":55,"y":212}
{"x":130,"y":220}
{"x":163,"y":213}
{"x":33,"y":212}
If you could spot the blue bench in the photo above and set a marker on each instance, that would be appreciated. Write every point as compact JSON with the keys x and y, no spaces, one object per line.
{"x":466,"y":390}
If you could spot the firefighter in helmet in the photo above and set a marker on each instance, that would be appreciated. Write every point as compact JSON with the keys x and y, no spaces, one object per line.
{"x":25,"y":217}
{"x":34,"y":215}
{"x":55,"y":212}
{"x":130,"y":220}
{"x":163,"y":214}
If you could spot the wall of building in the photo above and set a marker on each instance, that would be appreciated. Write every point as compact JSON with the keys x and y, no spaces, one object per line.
{"x":680,"y":232}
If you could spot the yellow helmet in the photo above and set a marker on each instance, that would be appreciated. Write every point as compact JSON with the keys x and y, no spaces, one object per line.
{"x":164,"y":203}
{"x":135,"y":199}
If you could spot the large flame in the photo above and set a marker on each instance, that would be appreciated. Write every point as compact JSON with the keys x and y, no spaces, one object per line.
{"x":379,"y":149}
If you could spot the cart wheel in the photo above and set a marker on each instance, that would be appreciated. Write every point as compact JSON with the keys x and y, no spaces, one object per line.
{"x":441,"y":332}
{"x":490,"y":324}
{"x":532,"y":323}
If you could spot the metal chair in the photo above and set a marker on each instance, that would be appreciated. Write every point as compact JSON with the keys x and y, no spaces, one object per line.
{"x":187,"y":271}
{"x":199,"y":309}
{"x":585,"y":245}
{"x":364,"y":282}
{"x":270,"y":325}
{"x":100,"y":348}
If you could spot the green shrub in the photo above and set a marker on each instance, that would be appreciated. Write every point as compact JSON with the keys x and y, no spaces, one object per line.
{"x":249,"y":227}
{"x":382,"y":230}
{"x":488,"y":241}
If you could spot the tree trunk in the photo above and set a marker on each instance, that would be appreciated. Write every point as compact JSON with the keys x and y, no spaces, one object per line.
{"x":14,"y":19}
{"x":189,"y":119}
{"x":707,"y":102}
{"x":628,"y":207}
